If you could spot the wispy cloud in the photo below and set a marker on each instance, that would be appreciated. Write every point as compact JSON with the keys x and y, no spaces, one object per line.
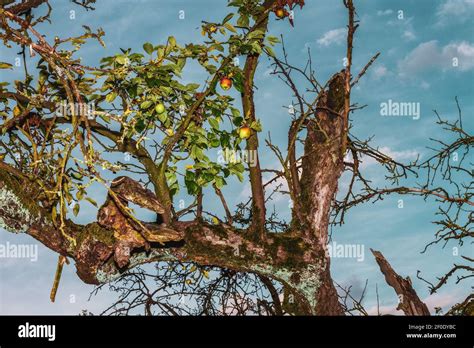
{"x":409,"y":35}
{"x":401,"y":156}
{"x":444,"y":301}
{"x":430,"y":55}
{"x":379,"y":71}
{"x":384,"y":12}
{"x":335,"y":36}
{"x":460,"y":9}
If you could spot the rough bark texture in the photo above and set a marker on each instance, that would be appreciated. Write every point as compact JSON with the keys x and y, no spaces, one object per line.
{"x":322,"y":167}
{"x":409,"y":303}
{"x":282,"y":256}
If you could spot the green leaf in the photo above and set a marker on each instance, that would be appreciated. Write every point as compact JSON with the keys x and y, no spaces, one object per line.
{"x":76,"y":209}
{"x":211,"y":68}
{"x":80,"y":195}
{"x":243,"y":21}
{"x":238,"y":83}
{"x":257,"y":34}
{"x":76,"y":176}
{"x":111,"y":97}
{"x":91,"y":201}
{"x":235,"y":3}
{"x":140,"y":126}
{"x":227,"y":18}
{"x":235,"y":112}
{"x":214,"y":123}
{"x":172,"y":41}
{"x":237,"y":121}
{"x":230,"y":27}
{"x":219,"y":182}
{"x":148,"y":47}
{"x":256,"y":126}
{"x":273,"y":40}
{"x":146,"y":104}
{"x":4,"y":65}
{"x":256,"y":47}
{"x":181,"y":63}
{"x":163,"y":117}
{"x":196,"y":153}
{"x":54,"y":214}
{"x":269,"y":51}
{"x":191,"y":87}
{"x":121,"y":60}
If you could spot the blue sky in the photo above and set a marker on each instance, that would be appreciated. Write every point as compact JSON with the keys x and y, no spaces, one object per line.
{"x":416,"y":65}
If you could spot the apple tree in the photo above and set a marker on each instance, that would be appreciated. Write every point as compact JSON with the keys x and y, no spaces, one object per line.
{"x":64,"y":124}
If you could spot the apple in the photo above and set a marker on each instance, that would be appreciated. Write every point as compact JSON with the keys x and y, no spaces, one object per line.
{"x":244,"y":132}
{"x":159,"y":108}
{"x":226,"y":83}
{"x":280,"y":13}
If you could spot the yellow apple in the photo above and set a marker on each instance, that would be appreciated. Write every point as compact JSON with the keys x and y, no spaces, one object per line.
{"x":244,"y":132}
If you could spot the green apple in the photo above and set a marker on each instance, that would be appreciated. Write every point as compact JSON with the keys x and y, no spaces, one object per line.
{"x":160,"y":108}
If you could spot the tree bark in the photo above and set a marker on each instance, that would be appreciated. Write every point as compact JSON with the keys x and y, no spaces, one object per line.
{"x":322,"y":167}
{"x":409,"y":302}
{"x":98,"y":248}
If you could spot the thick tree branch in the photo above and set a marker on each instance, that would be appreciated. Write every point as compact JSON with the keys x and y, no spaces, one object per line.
{"x":409,"y":303}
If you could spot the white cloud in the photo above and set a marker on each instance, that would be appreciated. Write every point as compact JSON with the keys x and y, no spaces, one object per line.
{"x":445,"y":301}
{"x":400,"y":156}
{"x":379,"y":71}
{"x":409,"y":35}
{"x":429,"y":55}
{"x":461,"y":9}
{"x":336,"y":36}
{"x":384,"y":13}
{"x":425,"y":85}
{"x":405,"y":26}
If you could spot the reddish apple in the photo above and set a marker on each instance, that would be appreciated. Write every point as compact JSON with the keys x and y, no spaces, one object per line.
{"x":280,"y":13}
{"x":226,"y":83}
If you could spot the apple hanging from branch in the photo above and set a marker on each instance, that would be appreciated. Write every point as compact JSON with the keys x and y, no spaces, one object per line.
{"x":226,"y":83}
{"x":280,"y":12}
{"x":160,"y":108}
{"x":244,"y":132}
